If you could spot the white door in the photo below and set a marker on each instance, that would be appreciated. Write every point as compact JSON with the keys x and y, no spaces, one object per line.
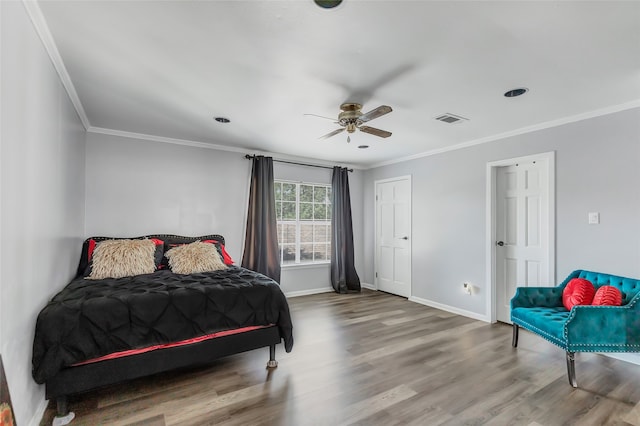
{"x":393,"y":236}
{"x":522,"y":231}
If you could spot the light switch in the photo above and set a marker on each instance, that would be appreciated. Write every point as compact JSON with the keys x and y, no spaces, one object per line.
{"x":594,"y":218}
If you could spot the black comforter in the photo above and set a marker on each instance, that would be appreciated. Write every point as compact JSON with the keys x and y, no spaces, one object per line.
{"x":90,"y":318}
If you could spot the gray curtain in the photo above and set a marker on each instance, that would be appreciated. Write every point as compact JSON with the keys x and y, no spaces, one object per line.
{"x":261,"y":252}
{"x":344,"y":277}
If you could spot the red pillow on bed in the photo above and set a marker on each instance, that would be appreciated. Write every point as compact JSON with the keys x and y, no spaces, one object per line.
{"x":578,"y":292}
{"x":607,"y":295}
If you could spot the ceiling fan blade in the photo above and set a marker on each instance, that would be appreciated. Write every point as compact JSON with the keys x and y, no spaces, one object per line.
{"x":322,"y":116}
{"x":375,"y":113}
{"x":367,"y":88}
{"x":335,"y":132}
{"x":375,"y":132}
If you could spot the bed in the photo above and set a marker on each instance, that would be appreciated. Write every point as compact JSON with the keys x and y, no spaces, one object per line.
{"x":100,"y":331}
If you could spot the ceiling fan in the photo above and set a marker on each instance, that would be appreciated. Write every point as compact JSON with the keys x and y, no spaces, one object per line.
{"x":351,"y":118}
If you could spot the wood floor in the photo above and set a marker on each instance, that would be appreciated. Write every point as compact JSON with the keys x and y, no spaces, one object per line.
{"x":377,"y":359}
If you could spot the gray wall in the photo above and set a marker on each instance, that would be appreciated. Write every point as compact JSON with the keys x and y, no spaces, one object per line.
{"x":597,"y":170}
{"x":42,"y":199}
{"x":137,"y":187}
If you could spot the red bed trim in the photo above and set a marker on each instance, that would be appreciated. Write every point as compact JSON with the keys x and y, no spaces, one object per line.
{"x":172,"y":345}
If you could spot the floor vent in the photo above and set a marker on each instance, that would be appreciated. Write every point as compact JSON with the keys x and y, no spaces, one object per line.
{"x":450,"y":118}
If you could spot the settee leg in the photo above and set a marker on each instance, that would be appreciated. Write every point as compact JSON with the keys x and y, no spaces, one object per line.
{"x":571,"y":368}
{"x":272,"y":357}
{"x":514,"y":339}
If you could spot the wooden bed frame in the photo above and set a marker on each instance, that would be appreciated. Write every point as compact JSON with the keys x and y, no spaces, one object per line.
{"x":72,"y":380}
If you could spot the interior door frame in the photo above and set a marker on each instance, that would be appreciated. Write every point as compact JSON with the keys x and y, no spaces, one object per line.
{"x":491,"y":221}
{"x":375,"y":223}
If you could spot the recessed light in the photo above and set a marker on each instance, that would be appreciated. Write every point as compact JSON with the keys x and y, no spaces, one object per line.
{"x":363,"y":146}
{"x":328,"y":4}
{"x":516,"y":92}
{"x":222,"y":120}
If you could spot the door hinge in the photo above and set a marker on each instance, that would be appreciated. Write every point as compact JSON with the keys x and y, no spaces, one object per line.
{"x":376,"y":198}
{"x":376,"y":275}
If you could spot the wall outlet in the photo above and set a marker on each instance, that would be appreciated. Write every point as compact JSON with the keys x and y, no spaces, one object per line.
{"x":594,"y":218}
{"x":467,"y":288}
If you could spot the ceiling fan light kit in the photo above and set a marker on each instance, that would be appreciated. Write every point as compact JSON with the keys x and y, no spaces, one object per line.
{"x":351,"y":119}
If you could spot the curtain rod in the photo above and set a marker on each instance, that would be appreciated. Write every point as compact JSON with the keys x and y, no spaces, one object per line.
{"x":250,"y":157}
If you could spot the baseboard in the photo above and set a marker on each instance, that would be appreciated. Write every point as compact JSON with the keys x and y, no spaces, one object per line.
{"x":322,"y":290}
{"x":39,"y":414}
{"x":369,"y":286}
{"x":633,"y":358}
{"x":451,"y":309}
{"x":308,"y":292}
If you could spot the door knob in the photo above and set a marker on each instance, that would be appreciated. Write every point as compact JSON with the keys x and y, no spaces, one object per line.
{"x":405,"y":238}
{"x":500,"y":243}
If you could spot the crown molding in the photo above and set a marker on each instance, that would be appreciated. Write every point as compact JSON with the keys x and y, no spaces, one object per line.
{"x":174,"y":141}
{"x":41,"y":27}
{"x":207,"y":145}
{"x":541,"y":126}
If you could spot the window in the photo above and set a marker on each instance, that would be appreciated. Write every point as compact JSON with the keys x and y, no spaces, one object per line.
{"x":303,"y":212}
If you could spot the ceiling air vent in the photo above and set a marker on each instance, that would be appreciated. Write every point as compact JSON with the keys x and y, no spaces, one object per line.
{"x":450,"y":118}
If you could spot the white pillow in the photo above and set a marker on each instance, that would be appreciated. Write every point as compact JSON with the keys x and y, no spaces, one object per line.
{"x":195,"y":257}
{"x":122,"y":258}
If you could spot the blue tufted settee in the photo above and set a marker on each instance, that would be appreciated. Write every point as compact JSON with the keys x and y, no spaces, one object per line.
{"x":584,"y":328}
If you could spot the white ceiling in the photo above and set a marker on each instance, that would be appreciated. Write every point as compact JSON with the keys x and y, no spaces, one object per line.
{"x":165,"y":69}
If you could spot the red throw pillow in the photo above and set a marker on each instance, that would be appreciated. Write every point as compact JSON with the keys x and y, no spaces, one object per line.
{"x":607,"y":296}
{"x":578,"y":292}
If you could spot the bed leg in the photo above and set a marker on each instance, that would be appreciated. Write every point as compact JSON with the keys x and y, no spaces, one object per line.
{"x":272,"y":357}
{"x":514,"y":339}
{"x":62,"y":405}
{"x":64,"y":416}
